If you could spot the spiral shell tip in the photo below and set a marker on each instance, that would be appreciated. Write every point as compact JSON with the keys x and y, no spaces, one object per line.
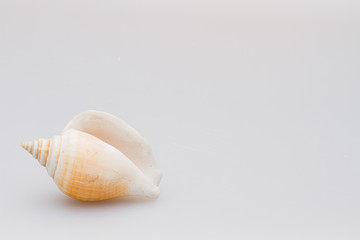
{"x":25,"y":145}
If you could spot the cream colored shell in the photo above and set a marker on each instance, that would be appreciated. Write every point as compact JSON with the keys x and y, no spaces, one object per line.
{"x":120,"y":135}
{"x":87,"y":168}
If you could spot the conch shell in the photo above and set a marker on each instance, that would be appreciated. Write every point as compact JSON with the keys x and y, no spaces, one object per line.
{"x":97,"y":157}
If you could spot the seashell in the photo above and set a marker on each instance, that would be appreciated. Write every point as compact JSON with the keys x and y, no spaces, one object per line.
{"x":98,"y":157}
{"x":120,"y":135}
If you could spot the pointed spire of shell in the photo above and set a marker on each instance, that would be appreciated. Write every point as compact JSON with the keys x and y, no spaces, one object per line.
{"x":39,"y":149}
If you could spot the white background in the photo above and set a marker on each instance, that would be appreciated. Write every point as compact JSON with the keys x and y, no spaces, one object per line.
{"x":251,"y":107}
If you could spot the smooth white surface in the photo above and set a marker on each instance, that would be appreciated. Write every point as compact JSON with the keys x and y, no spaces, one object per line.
{"x":251,"y":108}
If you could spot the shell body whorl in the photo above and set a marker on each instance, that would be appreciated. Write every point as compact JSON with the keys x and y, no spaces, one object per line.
{"x":120,"y":135}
